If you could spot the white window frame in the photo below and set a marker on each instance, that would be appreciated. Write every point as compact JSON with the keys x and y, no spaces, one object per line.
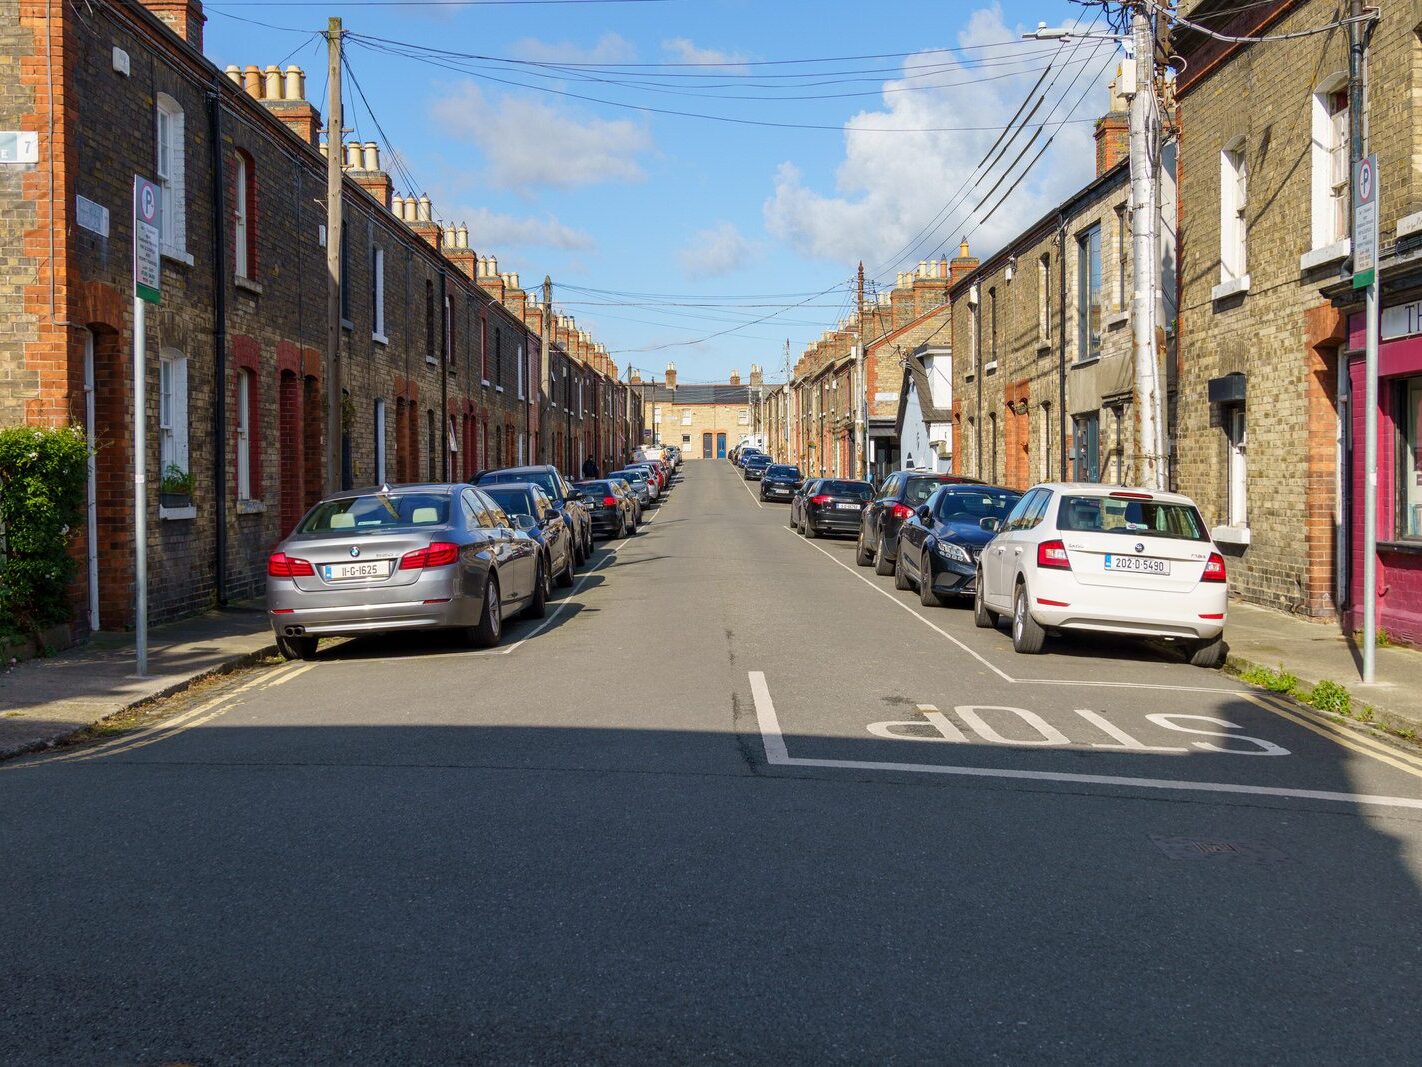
{"x":1123,"y":257}
{"x":172,"y":170}
{"x":377,"y":331}
{"x":522,"y":369}
{"x":244,"y":434}
{"x":1237,"y":483}
{"x":1234,"y":203}
{"x":1331,"y":172}
{"x":172,"y":411}
{"x":686,"y":417}
{"x":380,"y":441}
{"x":241,"y":258}
{"x":1044,"y":298}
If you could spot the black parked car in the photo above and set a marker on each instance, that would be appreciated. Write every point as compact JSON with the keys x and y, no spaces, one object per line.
{"x":780,"y":482}
{"x":939,"y":547}
{"x":550,"y":479}
{"x":902,"y":493}
{"x":834,"y":507}
{"x":529,"y":507}
{"x":755,"y":466}
{"x":612,"y":509}
{"x":797,"y":502}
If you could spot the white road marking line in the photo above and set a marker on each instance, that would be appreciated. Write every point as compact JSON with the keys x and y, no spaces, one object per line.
{"x":757,"y":503}
{"x":577,"y":588}
{"x":777,"y":754}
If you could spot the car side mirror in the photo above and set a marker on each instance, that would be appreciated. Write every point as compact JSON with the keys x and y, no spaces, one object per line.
{"x":525,"y":522}
{"x":990,"y":524}
{"x":575,"y":494}
{"x":925,"y":513}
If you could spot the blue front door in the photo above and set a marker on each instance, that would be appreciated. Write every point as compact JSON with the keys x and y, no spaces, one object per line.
{"x":720,"y":446}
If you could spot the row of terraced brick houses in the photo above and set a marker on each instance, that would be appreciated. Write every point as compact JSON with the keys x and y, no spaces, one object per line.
{"x":445,"y":369}
{"x":1030,"y":375}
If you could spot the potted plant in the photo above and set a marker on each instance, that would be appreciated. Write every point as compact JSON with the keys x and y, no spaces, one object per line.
{"x":176,"y":488}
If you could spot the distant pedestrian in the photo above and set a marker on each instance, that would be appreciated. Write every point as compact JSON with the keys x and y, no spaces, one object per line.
{"x":590,"y":468}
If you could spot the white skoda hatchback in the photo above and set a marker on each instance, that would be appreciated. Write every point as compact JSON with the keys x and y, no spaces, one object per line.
{"x":1082,"y":556}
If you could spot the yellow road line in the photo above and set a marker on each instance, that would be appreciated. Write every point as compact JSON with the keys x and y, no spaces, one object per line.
{"x":1359,"y":736}
{"x":1330,"y":732}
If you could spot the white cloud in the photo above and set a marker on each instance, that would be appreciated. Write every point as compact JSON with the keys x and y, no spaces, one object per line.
{"x":721,"y":249}
{"x":528,"y":142}
{"x":610,"y":48}
{"x":889,"y":186}
{"x":685,"y":51}
{"x":491,"y":231}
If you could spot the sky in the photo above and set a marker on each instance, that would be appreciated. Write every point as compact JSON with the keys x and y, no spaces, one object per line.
{"x":700,"y":178}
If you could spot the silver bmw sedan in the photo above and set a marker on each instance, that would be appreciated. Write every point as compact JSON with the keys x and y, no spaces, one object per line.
{"x":407,"y":557}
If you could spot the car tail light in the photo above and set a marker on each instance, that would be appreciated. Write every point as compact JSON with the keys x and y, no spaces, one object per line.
{"x":1121,"y":495}
{"x":439,"y":554}
{"x":280,"y":565}
{"x":1053,"y":554}
{"x":1214,"y":568}
{"x":609,"y":501}
{"x":901,"y":511}
{"x":820,"y":499}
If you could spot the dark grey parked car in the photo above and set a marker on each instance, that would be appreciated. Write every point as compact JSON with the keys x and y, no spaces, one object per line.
{"x":408,"y":557}
{"x":530,"y":509}
{"x":565,"y":498}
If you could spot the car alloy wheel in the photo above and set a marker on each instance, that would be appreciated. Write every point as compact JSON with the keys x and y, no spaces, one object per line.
{"x":862,"y":555}
{"x":926,"y":596}
{"x":491,"y":622}
{"x":901,"y":578}
{"x":983,"y":616}
{"x":538,"y":603}
{"x":882,"y":563}
{"x":1027,"y":634}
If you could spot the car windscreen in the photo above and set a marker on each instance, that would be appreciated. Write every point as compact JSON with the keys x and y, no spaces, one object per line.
{"x":1131,"y":517}
{"x":631,"y":476}
{"x":594,"y":489}
{"x":853,"y":490}
{"x":376,"y":513}
{"x":758,"y":461}
{"x":543,"y":479}
{"x":779,"y":471}
{"x":975,"y":504}
{"x":513,"y":501}
{"x":917,"y":490}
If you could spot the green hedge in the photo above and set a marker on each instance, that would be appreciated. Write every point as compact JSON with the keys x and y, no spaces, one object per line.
{"x":42,"y":475}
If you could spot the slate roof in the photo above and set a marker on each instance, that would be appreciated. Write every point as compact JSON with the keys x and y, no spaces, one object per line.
{"x":924,"y":390}
{"x":696,"y":393}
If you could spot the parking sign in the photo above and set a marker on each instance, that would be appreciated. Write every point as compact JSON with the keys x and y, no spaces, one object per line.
{"x":147,"y":209}
{"x":1365,"y":221}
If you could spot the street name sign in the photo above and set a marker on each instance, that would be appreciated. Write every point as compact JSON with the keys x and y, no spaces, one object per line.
{"x":1365,"y":221}
{"x":147,"y":271}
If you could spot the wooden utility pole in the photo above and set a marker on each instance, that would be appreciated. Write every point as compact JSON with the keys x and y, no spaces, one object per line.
{"x":545,"y":371}
{"x":334,"y":156}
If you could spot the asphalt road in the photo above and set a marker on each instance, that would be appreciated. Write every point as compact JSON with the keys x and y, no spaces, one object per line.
{"x":737,"y":801}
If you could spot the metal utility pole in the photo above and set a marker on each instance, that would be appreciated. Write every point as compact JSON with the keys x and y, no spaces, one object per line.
{"x":1144,"y":134}
{"x":858,"y":457}
{"x":334,"y":156}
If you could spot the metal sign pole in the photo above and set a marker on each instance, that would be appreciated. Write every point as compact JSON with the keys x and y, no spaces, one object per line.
{"x":1365,"y":273}
{"x":147,"y":289}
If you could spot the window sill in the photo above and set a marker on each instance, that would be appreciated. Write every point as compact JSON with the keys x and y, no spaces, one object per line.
{"x":177,"y":255}
{"x":251,"y":507}
{"x":1233,"y":287}
{"x":485,"y":382}
{"x":991,"y":368}
{"x":379,"y":338}
{"x":970,"y":376}
{"x":1115,"y":320}
{"x":1232,"y":535}
{"x":431,"y":360}
{"x":247,"y":285}
{"x":1320,"y":257}
{"x":1090,"y":362}
{"x":498,"y":388}
{"x":171,"y":514}
{"x":347,"y":324}
{"x":1044,"y":348}
{"x":1410,"y":548}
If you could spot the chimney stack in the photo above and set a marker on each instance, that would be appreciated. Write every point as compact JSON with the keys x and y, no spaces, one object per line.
{"x":963,"y":264}
{"x":757,"y":375}
{"x":183,"y":17}
{"x":1113,"y":130}
{"x":671,"y":375}
{"x":284,"y":95}
{"x":735,"y":377}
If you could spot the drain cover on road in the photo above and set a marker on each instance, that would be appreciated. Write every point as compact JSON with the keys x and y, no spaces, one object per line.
{"x":1194,"y":848}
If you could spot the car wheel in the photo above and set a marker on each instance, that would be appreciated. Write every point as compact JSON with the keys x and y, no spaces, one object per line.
{"x":926,"y":596}
{"x":579,"y":556}
{"x":862,"y":555}
{"x":296,"y":647}
{"x":588,"y":545}
{"x":1209,"y":653}
{"x":538,"y":603}
{"x":901,"y":580}
{"x":1027,"y":636}
{"x":983,"y":616}
{"x":565,"y":579}
{"x":882,"y":563}
{"x":491,"y":622}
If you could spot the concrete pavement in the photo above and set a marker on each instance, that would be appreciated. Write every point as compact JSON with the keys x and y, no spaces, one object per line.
{"x":739,"y":801}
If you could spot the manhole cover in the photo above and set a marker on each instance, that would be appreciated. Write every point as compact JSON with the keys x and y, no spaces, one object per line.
{"x":1195,"y":848}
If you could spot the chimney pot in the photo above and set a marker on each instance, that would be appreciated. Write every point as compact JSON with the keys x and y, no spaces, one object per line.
{"x":234,"y":74}
{"x":295,"y":84}
{"x":272,"y":88}
{"x":353,"y":156}
{"x":513,"y":280}
{"x":397,"y":205}
{"x":493,"y":265}
{"x":462,"y":236}
{"x":425,"y":213}
{"x":252,"y":81}
{"x":411,"y":209}
{"x":370,"y":154}
{"x":963,"y":249}
{"x":448,"y":239}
